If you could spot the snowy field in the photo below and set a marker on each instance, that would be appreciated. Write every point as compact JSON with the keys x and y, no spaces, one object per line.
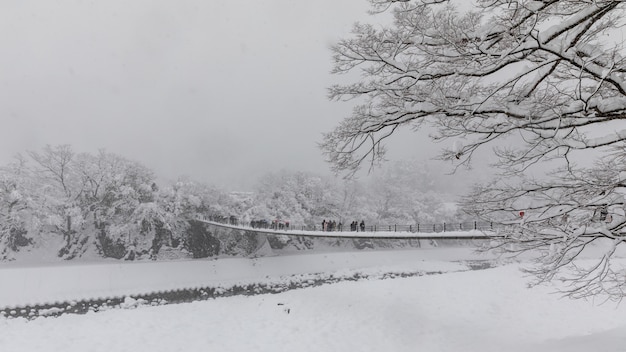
{"x":455,"y":310}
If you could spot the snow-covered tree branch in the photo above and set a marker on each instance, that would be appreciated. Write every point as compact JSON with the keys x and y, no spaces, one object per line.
{"x":542,"y":82}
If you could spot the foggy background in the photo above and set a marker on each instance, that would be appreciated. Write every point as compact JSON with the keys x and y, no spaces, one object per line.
{"x":221,"y":91}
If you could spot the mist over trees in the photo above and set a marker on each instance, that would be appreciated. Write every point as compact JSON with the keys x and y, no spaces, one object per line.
{"x":540,"y":82}
{"x":104,"y":205}
{"x":403,"y":193}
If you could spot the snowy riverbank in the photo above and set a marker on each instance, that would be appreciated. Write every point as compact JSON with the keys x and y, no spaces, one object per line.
{"x":482,"y":311}
{"x":70,"y":281}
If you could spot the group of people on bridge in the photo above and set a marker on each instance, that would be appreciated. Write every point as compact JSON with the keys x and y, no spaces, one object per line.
{"x":327,"y":226}
{"x":274,"y":225}
{"x":330,"y":226}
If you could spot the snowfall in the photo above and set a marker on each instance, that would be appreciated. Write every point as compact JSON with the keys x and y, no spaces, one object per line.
{"x":445,"y":306}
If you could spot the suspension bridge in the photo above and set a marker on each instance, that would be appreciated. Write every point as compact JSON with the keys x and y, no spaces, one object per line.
{"x":390,"y":234}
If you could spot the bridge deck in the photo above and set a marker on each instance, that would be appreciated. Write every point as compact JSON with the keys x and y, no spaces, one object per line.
{"x":456,"y":235}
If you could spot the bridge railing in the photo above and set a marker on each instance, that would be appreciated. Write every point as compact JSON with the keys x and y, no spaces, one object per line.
{"x":416,"y":228}
{"x":420,"y":227}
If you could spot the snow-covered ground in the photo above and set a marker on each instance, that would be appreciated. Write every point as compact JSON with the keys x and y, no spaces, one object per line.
{"x":457,"y":310}
{"x":34,"y":284}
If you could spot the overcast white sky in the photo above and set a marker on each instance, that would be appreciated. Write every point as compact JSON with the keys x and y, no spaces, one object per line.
{"x":222,"y":91}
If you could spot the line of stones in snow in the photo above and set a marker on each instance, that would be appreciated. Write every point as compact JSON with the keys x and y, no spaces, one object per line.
{"x":200,"y":294}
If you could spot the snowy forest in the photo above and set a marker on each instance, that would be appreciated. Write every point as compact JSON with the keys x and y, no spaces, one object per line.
{"x":77,"y":204}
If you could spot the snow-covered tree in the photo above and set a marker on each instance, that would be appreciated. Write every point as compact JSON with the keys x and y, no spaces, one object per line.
{"x":180,"y":203}
{"x":300,"y":197}
{"x":356,"y":202}
{"x":117,"y":197}
{"x":543,"y":82}
{"x":16,"y":217}
{"x":90,"y":199}
{"x":58,"y":189}
{"x":405,"y":193}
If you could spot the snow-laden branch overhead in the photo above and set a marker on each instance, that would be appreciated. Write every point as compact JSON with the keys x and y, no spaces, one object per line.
{"x":540,"y":83}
